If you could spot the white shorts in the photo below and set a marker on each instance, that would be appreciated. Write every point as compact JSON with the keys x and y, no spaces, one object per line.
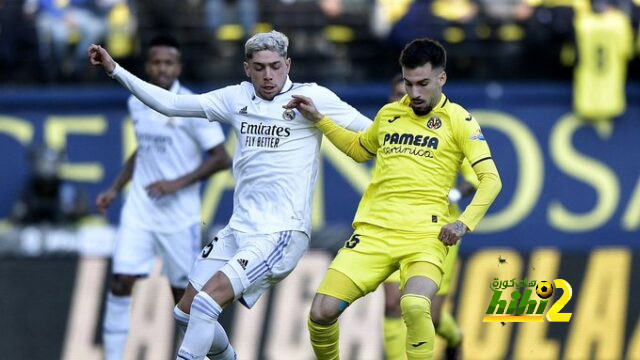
{"x":137,"y":249}
{"x":252,"y":262}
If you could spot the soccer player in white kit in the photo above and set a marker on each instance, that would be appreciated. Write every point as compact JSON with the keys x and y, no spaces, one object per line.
{"x":275,"y":166}
{"x":161,"y":215}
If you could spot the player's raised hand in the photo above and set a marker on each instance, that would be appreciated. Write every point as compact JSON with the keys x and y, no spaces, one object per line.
{"x":450,"y":234}
{"x":100,"y":56}
{"x":306,"y":107}
{"x":105,"y":199}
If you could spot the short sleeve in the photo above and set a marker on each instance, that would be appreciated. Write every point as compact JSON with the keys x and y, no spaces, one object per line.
{"x":343,"y":114}
{"x":469,"y":137}
{"x":207,"y":134}
{"x":216,"y":103}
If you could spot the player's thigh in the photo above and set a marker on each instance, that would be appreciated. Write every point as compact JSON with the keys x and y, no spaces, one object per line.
{"x":420,"y":254}
{"x":213,"y":257}
{"x":422,"y":279}
{"x":134,"y":252}
{"x":178,"y":251}
{"x":262,"y":261}
{"x":364,"y":259}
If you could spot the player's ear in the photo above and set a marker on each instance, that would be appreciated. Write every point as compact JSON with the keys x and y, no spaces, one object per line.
{"x":442,"y":78}
{"x":247,"y":69}
{"x":288,"y":64}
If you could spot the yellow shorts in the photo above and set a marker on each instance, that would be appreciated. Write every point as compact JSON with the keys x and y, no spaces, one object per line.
{"x":448,"y":268}
{"x":373,"y":253}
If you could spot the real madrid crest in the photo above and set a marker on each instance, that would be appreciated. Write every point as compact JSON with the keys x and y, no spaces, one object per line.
{"x":288,"y":114}
{"x":434,"y":123}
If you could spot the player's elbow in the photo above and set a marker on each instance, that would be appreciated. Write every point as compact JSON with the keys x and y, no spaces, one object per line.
{"x":360,"y":156}
{"x":491,"y":182}
{"x":496,"y":183}
{"x":165,"y":110}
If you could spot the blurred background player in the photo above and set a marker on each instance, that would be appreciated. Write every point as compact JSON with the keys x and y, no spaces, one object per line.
{"x":46,"y":197}
{"x":604,"y":42}
{"x":419,"y":145}
{"x":394,"y":329}
{"x":275,"y":167}
{"x":161,"y":215}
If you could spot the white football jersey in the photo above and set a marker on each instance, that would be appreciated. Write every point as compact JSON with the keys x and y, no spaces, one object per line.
{"x":168,"y":148}
{"x":276,"y":160}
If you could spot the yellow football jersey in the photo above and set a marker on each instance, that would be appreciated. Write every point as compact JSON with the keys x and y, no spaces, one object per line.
{"x":605,"y":45}
{"x":418,"y":158}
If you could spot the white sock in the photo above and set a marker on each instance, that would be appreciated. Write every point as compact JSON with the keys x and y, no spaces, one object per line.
{"x":115,"y":327}
{"x":220,"y":349}
{"x":202,"y":328}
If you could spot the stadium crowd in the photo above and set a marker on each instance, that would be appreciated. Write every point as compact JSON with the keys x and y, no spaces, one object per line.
{"x":43,"y":41}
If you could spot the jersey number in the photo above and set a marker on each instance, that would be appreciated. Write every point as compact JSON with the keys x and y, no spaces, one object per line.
{"x":208,"y":248}
{"x":352,"y":242}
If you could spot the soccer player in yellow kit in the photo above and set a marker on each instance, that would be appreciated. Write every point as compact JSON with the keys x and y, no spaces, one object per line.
{"x":419,"y":143}
{"x":394,"y":330}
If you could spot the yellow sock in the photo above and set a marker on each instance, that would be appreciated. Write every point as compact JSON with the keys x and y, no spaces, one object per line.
{"x":395,"y":334}
{"x":449,"y":330}
{"x":416,"y":312}
{"x":324,"y":340}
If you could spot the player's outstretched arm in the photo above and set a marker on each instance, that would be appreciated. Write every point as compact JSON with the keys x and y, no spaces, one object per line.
{"x":345,"y":140}
{"x":157,"y":98}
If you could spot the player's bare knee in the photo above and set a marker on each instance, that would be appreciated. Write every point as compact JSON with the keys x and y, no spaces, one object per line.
{"x":325,"y":310}
{"x":323,"y":315}
{"x":220,"y":289}
{"x":122,"y":285}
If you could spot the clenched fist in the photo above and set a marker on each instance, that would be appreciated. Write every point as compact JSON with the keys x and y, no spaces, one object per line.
{"x":98,"y":56}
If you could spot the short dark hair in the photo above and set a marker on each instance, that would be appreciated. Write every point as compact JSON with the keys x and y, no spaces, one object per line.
{"x":419,"y":52}
{"x":164,"y":40}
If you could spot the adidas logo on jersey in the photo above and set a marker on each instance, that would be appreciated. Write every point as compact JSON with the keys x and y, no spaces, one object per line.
{"x":243,"y":111}
{"x":243,"y":263}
